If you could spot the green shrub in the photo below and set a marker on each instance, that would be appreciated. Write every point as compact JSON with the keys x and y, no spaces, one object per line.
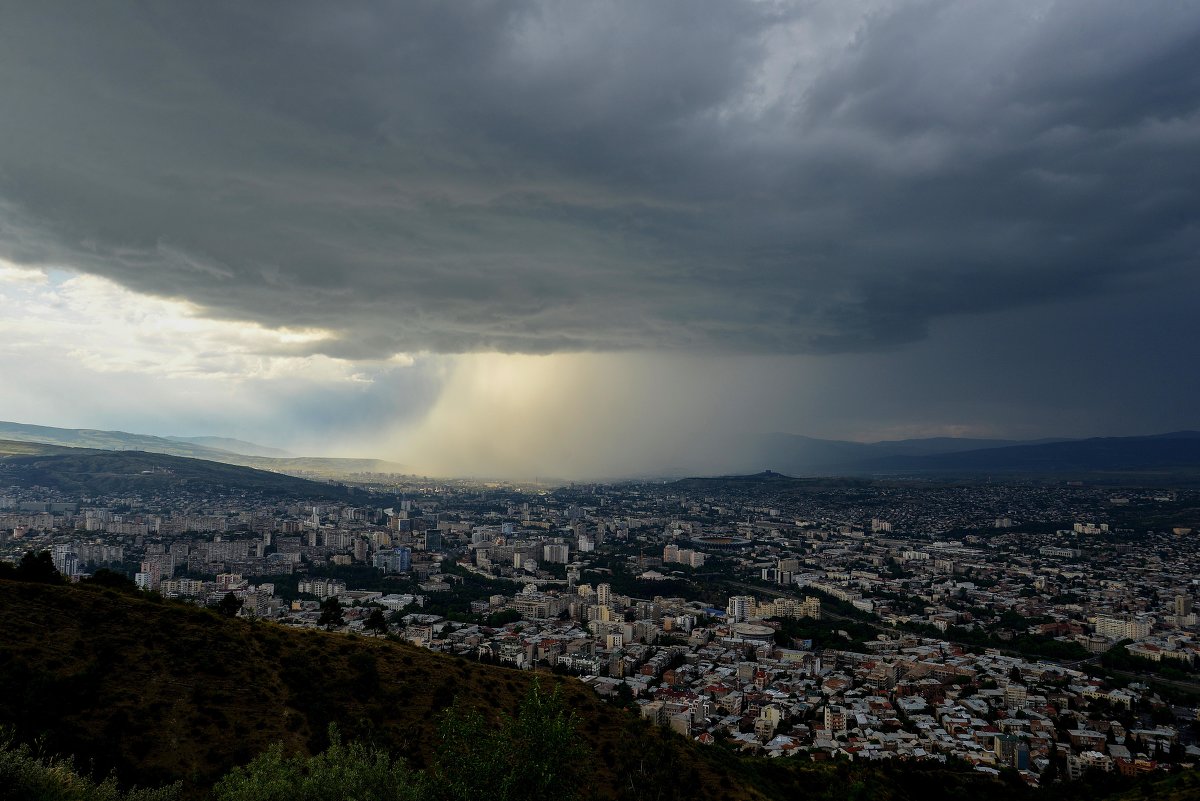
{"x":344,"y":770}
{"x":28,"y":776}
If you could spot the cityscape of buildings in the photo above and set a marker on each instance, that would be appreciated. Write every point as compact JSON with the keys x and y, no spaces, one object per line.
{"x":1046,"y":629}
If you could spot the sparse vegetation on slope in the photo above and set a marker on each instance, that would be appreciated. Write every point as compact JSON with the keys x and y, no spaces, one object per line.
{"x":26,"y":775}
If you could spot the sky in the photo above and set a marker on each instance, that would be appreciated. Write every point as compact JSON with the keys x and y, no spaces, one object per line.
{"x":601,"y":239}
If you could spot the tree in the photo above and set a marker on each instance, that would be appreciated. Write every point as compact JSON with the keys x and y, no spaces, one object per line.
{"x":649,"y":765}
{"x":111,"y":579}
{"x":536,"y":756}
{"x":502,"y":618}
{"x":376,"y":622}
{"x":352,"y":770}
{"x":1053,"y":770}
{"x":331,"y":613}
{"x":545,"y":750}
{"x":230,"y":605}
{"x":468,"y":760}
{"x":36,"y":567}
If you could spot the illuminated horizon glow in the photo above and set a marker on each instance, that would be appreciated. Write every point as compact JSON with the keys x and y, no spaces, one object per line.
{"x":92,"y":354}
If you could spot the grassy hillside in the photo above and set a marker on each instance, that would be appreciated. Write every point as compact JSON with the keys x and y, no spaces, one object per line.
{"x":161,"y":691}
{"x":79,"y":470}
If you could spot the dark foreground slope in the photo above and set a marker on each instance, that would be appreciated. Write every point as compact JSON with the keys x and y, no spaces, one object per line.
{"x":163,"y":692}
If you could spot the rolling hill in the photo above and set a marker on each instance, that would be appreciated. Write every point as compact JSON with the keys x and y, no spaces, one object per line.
{"x":83,"y":471}
{"x":230,"y":445}
{"x":215,"y":449}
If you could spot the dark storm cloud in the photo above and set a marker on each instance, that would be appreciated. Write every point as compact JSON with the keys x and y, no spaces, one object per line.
{"x":544,"y":177}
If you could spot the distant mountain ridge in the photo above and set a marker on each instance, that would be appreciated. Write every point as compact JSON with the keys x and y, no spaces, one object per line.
{"x":235,"y":446}
{"x":796,"y":454}
{"x":767,"y":480}
{"x":791,"y":454}
{"x":89,"y":472}
{"x":1175,"y":451}
{"x":106,"y":440}
{"x":197,"y":448}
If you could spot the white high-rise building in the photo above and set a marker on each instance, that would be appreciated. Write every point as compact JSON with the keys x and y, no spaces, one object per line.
{"x":738,"y":610}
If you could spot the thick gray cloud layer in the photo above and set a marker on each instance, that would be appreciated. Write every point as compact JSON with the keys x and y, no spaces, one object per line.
{"x":537,"y":176}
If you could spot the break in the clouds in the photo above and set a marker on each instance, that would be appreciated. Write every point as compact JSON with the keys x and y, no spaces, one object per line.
{"x":539,"y":177}
{"x":602,"y":238}
{"x":78,"y":350}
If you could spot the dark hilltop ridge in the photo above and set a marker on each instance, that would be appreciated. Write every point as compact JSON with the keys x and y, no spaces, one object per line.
{"x":1170,"y":456}
{"x":90,"y":472}
{"x":213,"y":449}
{"x":155,"y":692}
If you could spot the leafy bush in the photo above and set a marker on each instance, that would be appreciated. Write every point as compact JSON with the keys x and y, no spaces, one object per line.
{"x":28,"y":776}
{"x":342,"y":771}
{"x":536,"y":756}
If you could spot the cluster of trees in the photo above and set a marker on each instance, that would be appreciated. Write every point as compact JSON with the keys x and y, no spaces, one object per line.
{"x":1030,"y":645}
{"x":1119,"y":658}
{"x":36,"y":567}
{"x":823,"y":633}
